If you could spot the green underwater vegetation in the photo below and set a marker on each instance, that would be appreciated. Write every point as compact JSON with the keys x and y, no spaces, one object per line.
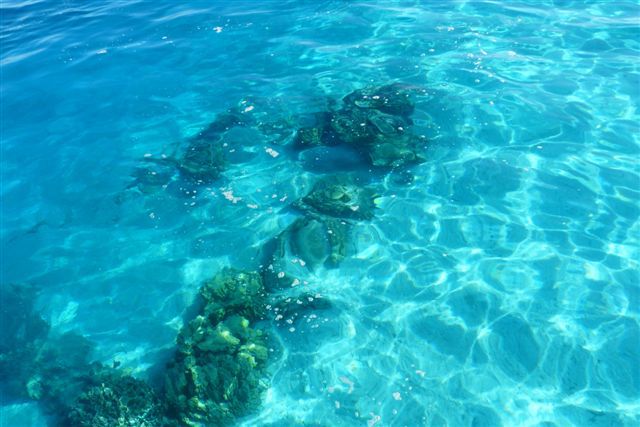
{"x":217,"y":375}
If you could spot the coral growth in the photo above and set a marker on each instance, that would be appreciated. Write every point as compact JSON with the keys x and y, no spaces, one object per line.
{"x":322,"y":237}
{"x":218,"y":372}
{"x":203,"y":160}
{"x":311,"y":241}
{"x":116,"y":400}
{"x":54,"y":369}
{"x":339,"y":196}
{"x":374,"y":120}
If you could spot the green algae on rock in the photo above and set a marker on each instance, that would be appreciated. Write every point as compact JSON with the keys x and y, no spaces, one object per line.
{"x":233,"y":292}
{"x":374,"y":120}
{"x":116,"y":400}
{"x":218,"y":372}
{"x":203,"y":160}
{"x":54,"y":369}
{"x":339,"y":196}
{"x":322,"y":237}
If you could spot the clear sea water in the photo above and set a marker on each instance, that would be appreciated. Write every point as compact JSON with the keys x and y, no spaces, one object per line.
{"x":499,"y":288}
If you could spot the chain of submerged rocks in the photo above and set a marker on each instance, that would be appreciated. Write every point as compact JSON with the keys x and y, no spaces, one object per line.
{"x":219,"y":370}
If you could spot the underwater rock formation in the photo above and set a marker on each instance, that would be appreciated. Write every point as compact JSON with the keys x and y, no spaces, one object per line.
{"x":390,"y":99}
{"x":218,"y":372}
{"x":116,"y":400}
{"x":152,"y":178}
{"x":339,"y":196}
{"x":322,"y":237}
{"x":310,"y":242}
{"x":375,"y":120}
{"x":54,"y":369}
{"x":203,"y":160}
{"x":224,"y":122}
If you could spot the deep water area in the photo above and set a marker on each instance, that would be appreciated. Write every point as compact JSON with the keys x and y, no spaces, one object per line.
{"x":320,"y":213}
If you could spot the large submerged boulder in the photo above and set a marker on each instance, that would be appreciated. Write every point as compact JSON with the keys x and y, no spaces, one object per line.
{"x":339,"y":196}
{"x":203,"y":160}
{"x":374,"y":120}
{"x":310,"y":242}
{"x":218,"y":372}
{"x":320,"y":238}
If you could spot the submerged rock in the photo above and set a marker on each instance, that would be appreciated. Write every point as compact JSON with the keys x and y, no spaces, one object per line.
{"x":352,"y":126}
{"x":318,"y":240}
{"x":338,"y":196}
{"x":376,"y":121}
{"x":54,"y":369}
{"x":224,"y":122}
{"x":310,"y":137}
{"x":322,"y":237}
{"x":391,"y":99}
{"x":309,"y":243}
{"x":203,"y":160}
{"x":396,"y":151}
{"x":152,"y":178}
{"x":116,"y":400}
{"x":219,"y":368}
{"x":233,"y":292}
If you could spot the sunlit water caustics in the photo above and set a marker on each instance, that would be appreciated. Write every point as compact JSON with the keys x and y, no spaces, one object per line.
{"x":320,"y":213}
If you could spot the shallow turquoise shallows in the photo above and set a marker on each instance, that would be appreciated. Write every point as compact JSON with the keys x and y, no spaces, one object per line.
{"x":497,"y":283}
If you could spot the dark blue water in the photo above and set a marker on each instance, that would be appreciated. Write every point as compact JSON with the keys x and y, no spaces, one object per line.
{"x":497,"y":283}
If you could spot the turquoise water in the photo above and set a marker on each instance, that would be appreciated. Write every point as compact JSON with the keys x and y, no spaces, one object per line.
{"x":496,"y":285}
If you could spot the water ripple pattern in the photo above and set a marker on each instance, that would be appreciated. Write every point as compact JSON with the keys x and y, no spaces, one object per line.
{"x":499,"y":286}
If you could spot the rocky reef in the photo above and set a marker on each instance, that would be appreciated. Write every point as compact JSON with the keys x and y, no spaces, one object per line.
{"x":376,"y":121}
{"x":322,"y":236}
{"x":218,"y":373}
{"x":113,"y":399}
{"x":219,"y":370}
{"x":339,"y":196}
{"x":201,"y":160}
{"x":54,"y":369}
{"x":204,"y":157}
